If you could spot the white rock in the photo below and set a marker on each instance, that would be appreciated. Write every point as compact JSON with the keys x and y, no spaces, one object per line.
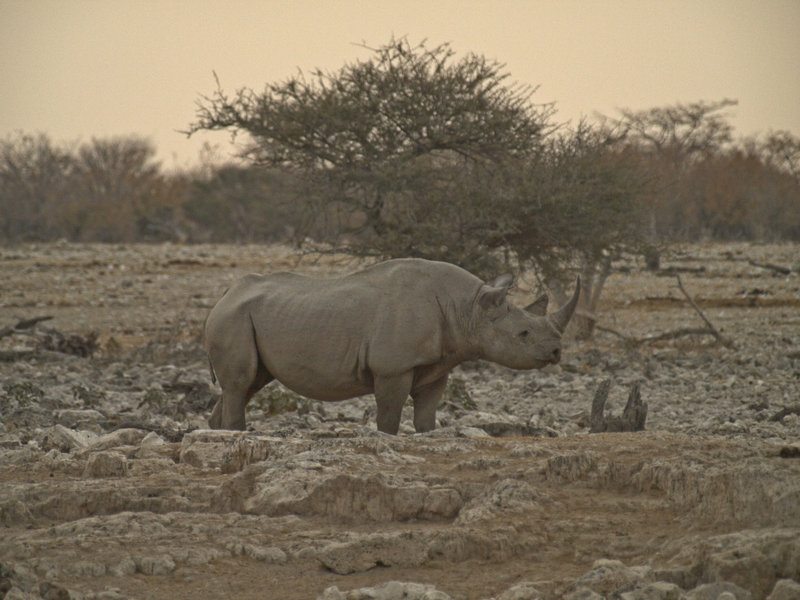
{"x":64,"y":439}
{"x":229,"y":451}
{"x":521,"y":591}
{"x":120,"y":437}
{"x":155,"y":565}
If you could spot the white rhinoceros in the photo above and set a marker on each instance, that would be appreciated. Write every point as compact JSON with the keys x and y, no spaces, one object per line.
{"x":394,"y":329}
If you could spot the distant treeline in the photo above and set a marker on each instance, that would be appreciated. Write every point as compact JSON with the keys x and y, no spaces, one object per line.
{"x":113,"y":190}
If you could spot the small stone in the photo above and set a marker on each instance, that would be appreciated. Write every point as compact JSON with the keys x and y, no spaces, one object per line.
{"x":332,"y":593}
{"x":123,"y":568}
{"x":83,"y":418}
{"x":271,"y":555}
{"x":584,"y":593}
{"x":15,"y":513}
{"x":785,"y":589}
{"x":120,"y":437}
{"x":660,"y":590}
{"x":521,"y":591}
{"x":611,"y":576}
{"x":106,"y":464}
{"x":713,"y":591}
{"x":52,"y":591}
{"x":471,"y":432}
{"x":64,"y":439}
{"x":152,"y":439}
{"x":155,"y":565}
{"x":16,"y":594}
{"x":748,"y":569}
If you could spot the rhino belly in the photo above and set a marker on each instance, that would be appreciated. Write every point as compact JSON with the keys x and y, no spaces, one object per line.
{"x":319,"y":387}
{"x":320,"y":373}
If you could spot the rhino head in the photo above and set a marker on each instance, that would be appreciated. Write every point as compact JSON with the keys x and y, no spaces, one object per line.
{"x":519,"y":338}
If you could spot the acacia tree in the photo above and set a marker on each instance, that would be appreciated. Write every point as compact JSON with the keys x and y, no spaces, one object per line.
{"x":34,"y":176}
{"x":578,"y":209}
{"x":781,"y":150}
{"x":120,"y":190}
{"x":672,"y":139}
{"x":393,"y":139}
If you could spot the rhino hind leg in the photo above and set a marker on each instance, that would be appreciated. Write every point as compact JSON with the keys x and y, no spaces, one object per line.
{"x":426,"y":400}
{"x":240,"y":373}
{"x":391,"y":394}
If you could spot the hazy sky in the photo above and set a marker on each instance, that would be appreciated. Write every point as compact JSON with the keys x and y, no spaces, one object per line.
{"x":77,"y":69}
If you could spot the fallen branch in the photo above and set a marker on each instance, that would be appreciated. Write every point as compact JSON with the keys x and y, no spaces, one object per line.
{"x":777,"y":268}
{"x":22,"y":325}
{"x":719,"y":337}
{"x":632,"y":419}
{"x":652,"y":339}
{"x":709,"y":329}
{"x":49,"y":339}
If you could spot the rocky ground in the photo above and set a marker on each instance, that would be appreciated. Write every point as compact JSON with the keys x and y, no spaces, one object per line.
{"x":112,"y":487}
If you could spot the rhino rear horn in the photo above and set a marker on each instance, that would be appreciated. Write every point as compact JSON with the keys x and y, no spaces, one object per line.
{"x":561,"y":317}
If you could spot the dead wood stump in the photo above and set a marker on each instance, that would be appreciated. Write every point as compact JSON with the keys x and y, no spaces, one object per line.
{"x":632,"y":418}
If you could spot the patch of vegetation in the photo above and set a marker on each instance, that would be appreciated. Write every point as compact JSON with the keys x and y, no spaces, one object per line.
{"x":89,"y":397}
{"x":273,"y":400}
{"x":23,"y":393}
{"x":155,"y":400}
{"x":456,"y":396}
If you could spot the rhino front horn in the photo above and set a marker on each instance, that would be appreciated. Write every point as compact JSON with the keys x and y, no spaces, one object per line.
{"x":561,"y":317}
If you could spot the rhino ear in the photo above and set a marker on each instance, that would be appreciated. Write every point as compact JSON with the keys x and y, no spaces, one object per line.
{"x":538,"y":307}
{"x":491,"y":297}
{"x":503,"y":281}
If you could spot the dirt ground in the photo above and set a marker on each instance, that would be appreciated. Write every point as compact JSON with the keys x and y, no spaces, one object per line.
{"x":710,"y":492}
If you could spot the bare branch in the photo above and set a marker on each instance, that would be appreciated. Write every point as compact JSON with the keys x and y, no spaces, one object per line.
{"x":720,"y":338}
{"x":22,"y":325}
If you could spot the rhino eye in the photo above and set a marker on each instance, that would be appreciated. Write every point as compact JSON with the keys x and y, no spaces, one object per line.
{"x":524,"y":334}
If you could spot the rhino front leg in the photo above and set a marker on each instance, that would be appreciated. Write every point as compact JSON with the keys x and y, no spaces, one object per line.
{"x":391,"y":394}
{"x":426,"y":400}
{"x":215,"y":420}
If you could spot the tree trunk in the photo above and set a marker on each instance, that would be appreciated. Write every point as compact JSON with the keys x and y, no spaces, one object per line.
{"x":594,"y":273}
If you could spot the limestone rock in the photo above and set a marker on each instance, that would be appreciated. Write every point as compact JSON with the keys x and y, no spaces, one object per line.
{"x":53,"y":591}
{"x":153,"y":446}
{"x":155,"y":565}
{"x":785,"y":589}
{"x":106,"y":464}
{"x":229,"y":451}
{"x":584,"y":593}
{"x":660,"y":590}
{"x":714,"y":591}
{"x":15,"y":513}
{"x":749,"y":569}
{"x":521,"y":591}
{"x":306,"y":485}
{"x":120,"y":437}
{"x":79,"y":418}
{"x":402,"y":549}
{"x":612,"y":577}
{"x":64,"y":439}
{"x":391,"y":590}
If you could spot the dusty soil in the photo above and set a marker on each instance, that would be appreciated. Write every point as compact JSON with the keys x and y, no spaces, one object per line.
{"x":104,"y":493}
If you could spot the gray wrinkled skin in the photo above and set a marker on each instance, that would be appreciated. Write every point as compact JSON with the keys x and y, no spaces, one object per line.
{"x":394,"y":329}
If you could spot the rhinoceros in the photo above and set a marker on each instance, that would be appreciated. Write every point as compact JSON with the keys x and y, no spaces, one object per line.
{"x":394,"y":329}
